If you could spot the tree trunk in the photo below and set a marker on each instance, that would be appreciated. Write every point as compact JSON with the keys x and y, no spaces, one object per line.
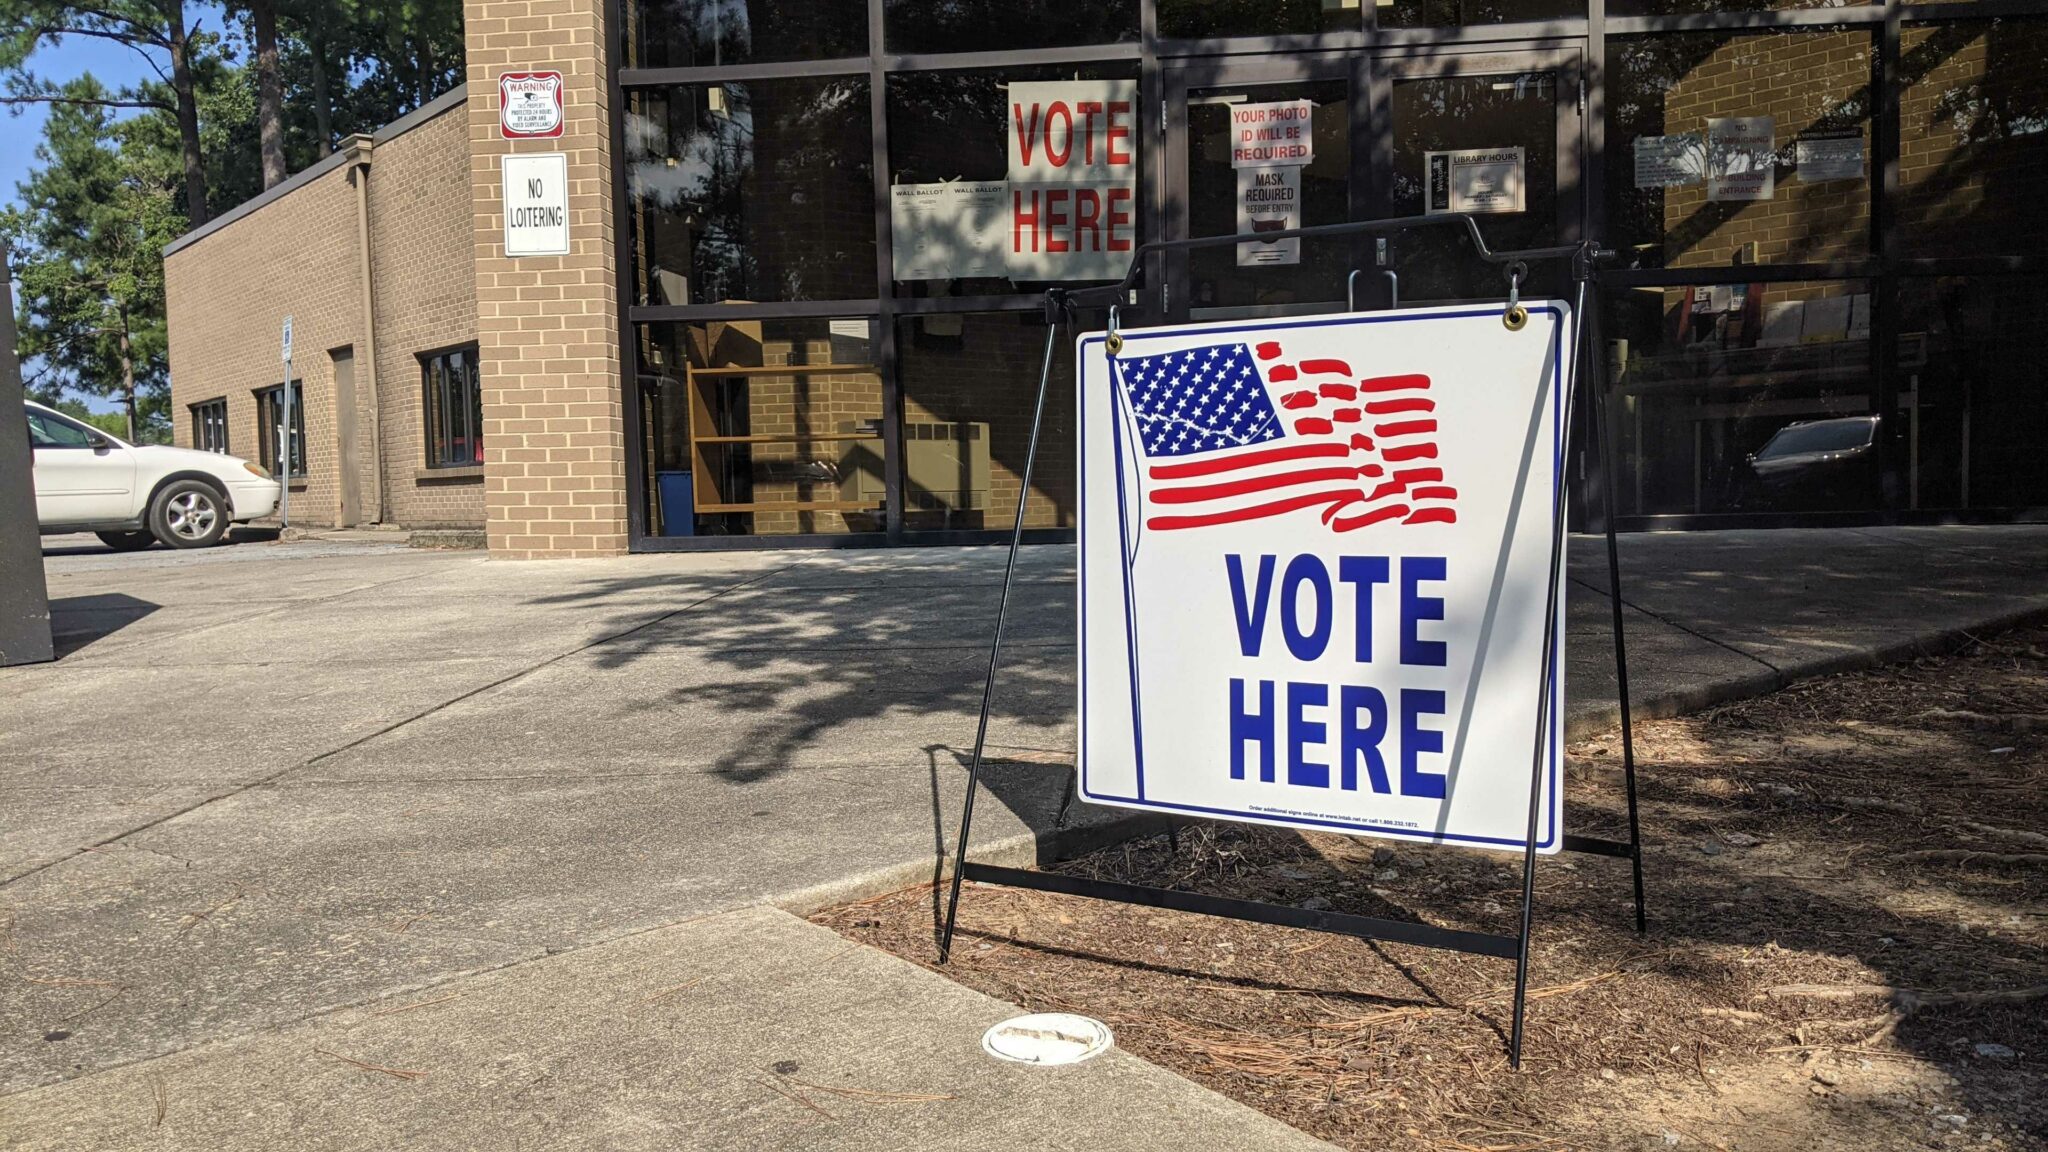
{"x":323,"y":96}
{"x":188,"y":114}
{"x":269,"y":91}
{"x":128,"y":380}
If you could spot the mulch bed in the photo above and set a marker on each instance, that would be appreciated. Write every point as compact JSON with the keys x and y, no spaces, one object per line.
{"x":1848,"y":942}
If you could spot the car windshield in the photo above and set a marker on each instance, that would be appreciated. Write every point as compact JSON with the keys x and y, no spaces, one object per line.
{"x":49,"y":430}
{"x":1819,"y":436}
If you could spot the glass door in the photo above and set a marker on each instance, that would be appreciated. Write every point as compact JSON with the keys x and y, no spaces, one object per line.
{"x":1496,"y":134}
{"x":1261,"y":144}
{"x":1266,"y":143}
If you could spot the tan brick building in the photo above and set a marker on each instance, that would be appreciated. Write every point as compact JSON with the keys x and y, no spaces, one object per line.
{"x":369,"y":253}
{"x":768,"y":314}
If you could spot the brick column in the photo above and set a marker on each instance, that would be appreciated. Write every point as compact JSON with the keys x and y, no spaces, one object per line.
{"x":547,"y":326}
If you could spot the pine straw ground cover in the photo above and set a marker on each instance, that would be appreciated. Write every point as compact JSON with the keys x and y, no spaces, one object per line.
{"x":1847,"y":944}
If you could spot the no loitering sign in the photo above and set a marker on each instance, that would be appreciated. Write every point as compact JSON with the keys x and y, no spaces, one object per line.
{"x":1315,"y":559}
{"x":536,"y":204}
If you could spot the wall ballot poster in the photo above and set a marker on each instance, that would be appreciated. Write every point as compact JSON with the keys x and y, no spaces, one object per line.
{"x":1268,"y":200}
{"x":1671,"y":161}
{"x":1742,"y":157}
{"x":1314,"y":556}
{"x":1073,"y":176}
{"x":1475,"y":180}
{"x":951,"y":231}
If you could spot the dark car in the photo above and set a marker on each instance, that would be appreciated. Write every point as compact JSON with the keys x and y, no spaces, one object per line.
{"x":1813,"y":465}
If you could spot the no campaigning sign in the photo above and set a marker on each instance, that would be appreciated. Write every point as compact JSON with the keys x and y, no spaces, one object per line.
{"x":1315,"y":559}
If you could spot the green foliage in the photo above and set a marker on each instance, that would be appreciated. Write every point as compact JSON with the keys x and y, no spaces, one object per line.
{"x":116,"y":176}
{"x":88,"y":238}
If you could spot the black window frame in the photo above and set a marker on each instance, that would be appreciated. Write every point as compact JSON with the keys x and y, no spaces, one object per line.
{"x":210,"y":425}
{"x":268,"y":420}
{"x":1381,"y":48}
{"x":438,"y":396}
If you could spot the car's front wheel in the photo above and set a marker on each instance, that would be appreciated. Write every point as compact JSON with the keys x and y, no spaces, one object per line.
{"x":188,"y":514}
{"x":126,"y":541}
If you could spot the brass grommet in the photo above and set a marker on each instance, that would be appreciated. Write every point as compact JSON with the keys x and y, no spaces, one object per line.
{"x":1515,"y":318}
{"x":1113,"y":342}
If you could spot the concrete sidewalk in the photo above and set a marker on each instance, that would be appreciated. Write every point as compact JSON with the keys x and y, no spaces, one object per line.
{"x":271,"y":782}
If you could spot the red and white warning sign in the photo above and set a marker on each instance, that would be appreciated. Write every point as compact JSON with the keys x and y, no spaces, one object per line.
{"x":530,"y":105}
{"x":1073,"y":179}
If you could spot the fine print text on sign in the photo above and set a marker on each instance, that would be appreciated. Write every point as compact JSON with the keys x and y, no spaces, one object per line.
{"x":1475,"y":180}
{"x":1315,"y":556}
{"x":1073,"y":174}
{"x":530,"y":105}
{"x":536,"y":204}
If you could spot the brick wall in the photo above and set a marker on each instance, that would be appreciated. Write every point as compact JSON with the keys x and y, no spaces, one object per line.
{"x":1808,"y":82}
{"x":297,"y":254}
{"x":548,"y":334}
{"x":424,"y":269}
{"x":226,"y":296}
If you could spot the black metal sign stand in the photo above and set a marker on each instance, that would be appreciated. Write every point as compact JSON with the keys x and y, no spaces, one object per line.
{"x":1059,"y":306}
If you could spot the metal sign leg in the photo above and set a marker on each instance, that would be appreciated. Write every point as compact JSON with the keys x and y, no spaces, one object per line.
{"x":1544,"y":705}
{"x":1598,"y":383}
{"x":1055,"y":315}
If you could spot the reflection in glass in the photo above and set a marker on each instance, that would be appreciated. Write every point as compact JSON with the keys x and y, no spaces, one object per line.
{"x":761,"y":428}
{"x":998,"y":25}
{"x":969,"y":382}
{"x":1753,"y":398}
{"x":1461,"y":113}
{"x":754,"y":191}
{"x":1973,"y":132}
{"x":1974,"y":390}
{"x":1202,"y":19}
{"x":1460,"y":13}
{"x":1673,"y":100}
{"x":1238,"y":276}
{"x":702,"y":33}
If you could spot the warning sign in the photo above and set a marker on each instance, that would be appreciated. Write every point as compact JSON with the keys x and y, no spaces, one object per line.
{"x":530,"y":105}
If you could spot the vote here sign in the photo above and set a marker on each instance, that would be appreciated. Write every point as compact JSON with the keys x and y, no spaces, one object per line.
{"x":1073,"y":175}
{"x":1314,"y":557}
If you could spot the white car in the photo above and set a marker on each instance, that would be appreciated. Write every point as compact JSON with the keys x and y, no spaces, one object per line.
{"x":132,"y":496}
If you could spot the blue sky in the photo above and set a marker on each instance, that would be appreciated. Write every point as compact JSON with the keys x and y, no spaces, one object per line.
{"x":115,"y":66}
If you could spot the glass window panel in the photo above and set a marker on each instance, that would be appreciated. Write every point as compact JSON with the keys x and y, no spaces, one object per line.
{"x":952,"y":126}
{"x":703,"y":33}
{"x":761,"y":428}
{"x":1458,"y":13}
{"x":1744,"y":398}
{"x":1973,"y":392}
{"x":1973,"y":138}
{"x":759,"y":191}
{"x":1203,"y":19}
{"x":969,"y":382}
{"x":1000,"y":25}
{"x":1677,"y":193}
{"x":1689,"y":7}
{"x":1455,"y":113}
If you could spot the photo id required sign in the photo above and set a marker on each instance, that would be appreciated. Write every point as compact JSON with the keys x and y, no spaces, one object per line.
{"x":1314,"y":561}
{"x":537,"y":204}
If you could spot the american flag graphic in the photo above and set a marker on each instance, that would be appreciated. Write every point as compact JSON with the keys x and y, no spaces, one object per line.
{"x":1217,"y":450}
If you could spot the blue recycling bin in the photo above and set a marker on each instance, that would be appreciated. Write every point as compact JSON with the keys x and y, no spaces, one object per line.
{"x":678,"y":504}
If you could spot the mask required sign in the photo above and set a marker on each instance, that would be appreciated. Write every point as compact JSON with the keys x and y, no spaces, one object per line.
{"x":1314,"y":563}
